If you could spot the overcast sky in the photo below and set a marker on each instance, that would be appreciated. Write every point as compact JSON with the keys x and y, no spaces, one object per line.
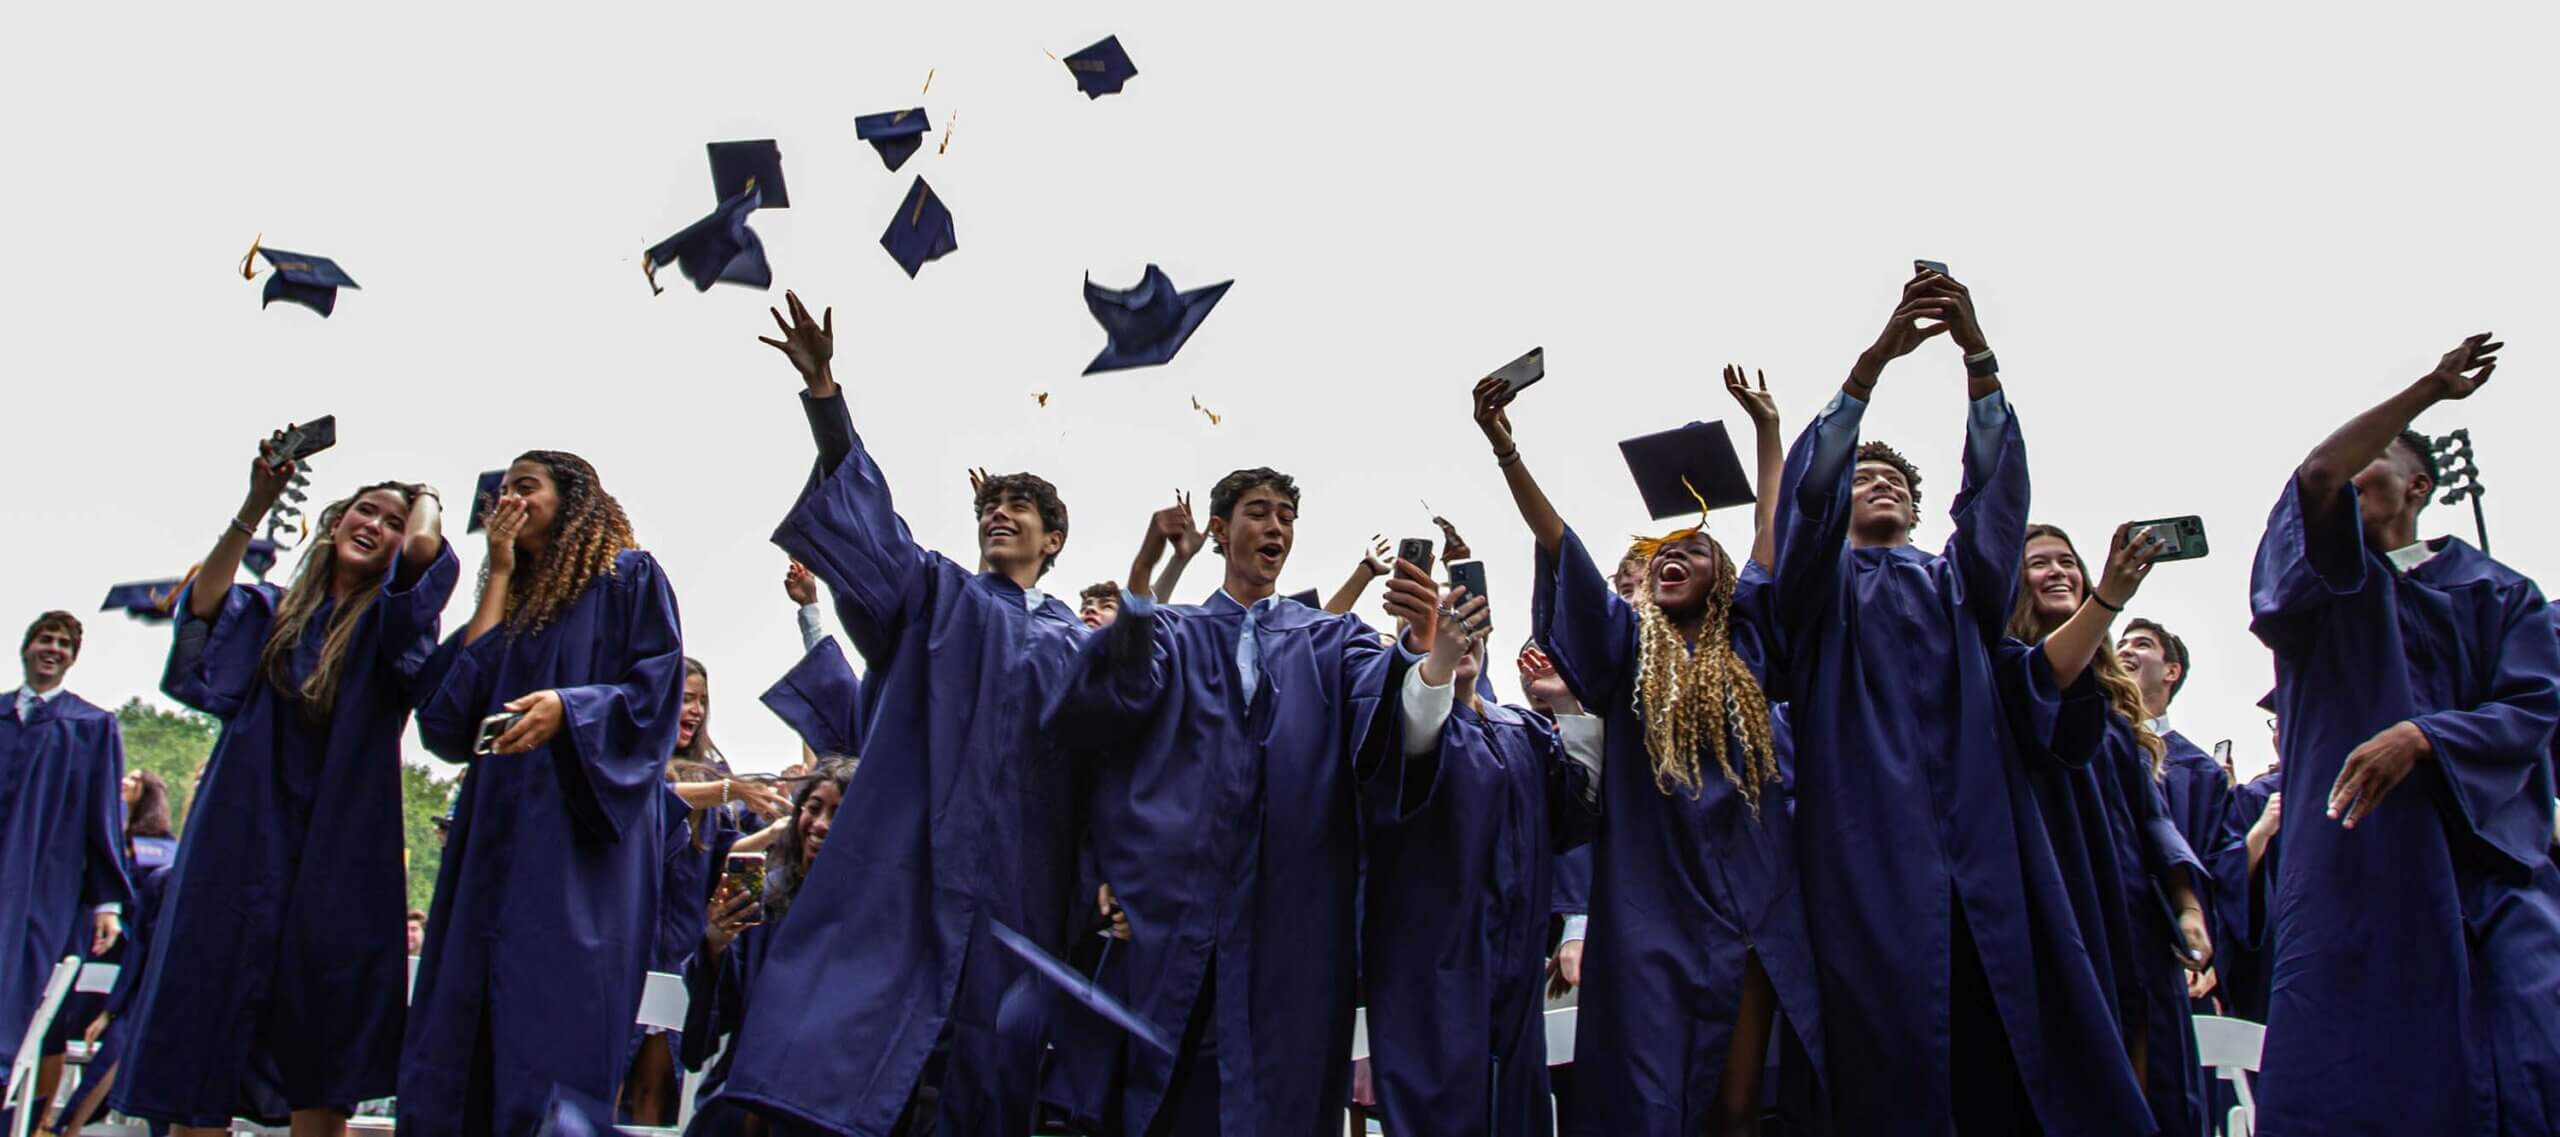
{"x":2200,"y":234}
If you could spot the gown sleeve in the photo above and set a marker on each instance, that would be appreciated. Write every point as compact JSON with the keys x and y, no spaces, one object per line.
{"x":1582,"y":625}
{"x":213,"y":665}
{"x":2048,"y":722}
{"x":1117,"y":680}
{"x":103,"y":879}
{"x":715,"y":998}
{"x":412,"y":615}
{"x":1990,"y":515}
{"x":1813,"y":522}
{"x":1573,"y":790}
{"x":619,"y":731}
{"x":846,"y":529}
{"x":2302,"y":566}
{"x":820,"y":700}
{"x":2493,"y":751}
{"x":456,"y":684}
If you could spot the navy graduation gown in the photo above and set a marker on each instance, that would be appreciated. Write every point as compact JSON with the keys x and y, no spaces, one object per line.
{"x":1229,"y":832}
{"x":545,"y":909}
{"x":1454,"y":930}
{"x":2422,"y":948}
{"x":2198,"y":793}
{"x":717,"y":991}
{"x":1684,"y":889}
{"x":150,"y":868}
{"x":1913,"y":810}
{"x":2243,"y":958}
{"x":283,"y":986}
{"x":959,"y":814}
{"x":61,"y":843}
{"x":820,"y":699}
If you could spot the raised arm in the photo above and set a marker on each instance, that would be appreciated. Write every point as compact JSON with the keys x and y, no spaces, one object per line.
{"x":1167,"y":528}
{"x":222,"y":564}
{"x":505,"y":520}
{"x":1770,"y":465}
{"x":1492,"y":400}
{"x":422,"y":541}
{"x":1373,"y":564}
{"x":1183,"y":549}
{"x":2076,"y":644}
{"x":2349,"y":449}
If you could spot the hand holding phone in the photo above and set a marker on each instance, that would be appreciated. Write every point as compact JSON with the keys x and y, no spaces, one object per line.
{"x":1939,"y":267}
{"x":301,"y":441}
{"x":743,"y":874}
{"x":1469,"y":575}
{"x":490,"y":728}
{"x":1521,"y":373}
{"x":2181,"y":538}
{"x":1417,"y":550}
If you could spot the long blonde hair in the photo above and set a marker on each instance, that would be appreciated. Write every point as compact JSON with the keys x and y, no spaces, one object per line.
{"x":2124,"y":696}
{"x":318,"y":691}
{"x":1702,"y":697}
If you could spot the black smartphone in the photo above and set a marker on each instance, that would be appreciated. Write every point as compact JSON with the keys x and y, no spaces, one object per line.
{"x":1520,"y":373}
{"x":1469,"y":575}
{"x":2181,"y":538}
{"x":304,"y":440}
{"x":493,"y":726}
{"x":744,"y":874}
{"x":1939,"y":267}
{"x":1417,"y":550}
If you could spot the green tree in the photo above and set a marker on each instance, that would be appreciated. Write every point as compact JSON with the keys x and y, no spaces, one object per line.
{"x":170,"y":743}
{"x":423,"y":798}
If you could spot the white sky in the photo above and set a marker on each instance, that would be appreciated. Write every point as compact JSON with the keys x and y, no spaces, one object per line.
{"x":2202,"y":234}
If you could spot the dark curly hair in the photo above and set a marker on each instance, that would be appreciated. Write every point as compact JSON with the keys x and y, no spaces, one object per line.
{"x":1873,"y":451}
{"x":1036,"y":490}
{"x":1232,"y":488}
{"x":587,"y":534}
{"x":2422,"y":451}
{"x":1107,"y":590}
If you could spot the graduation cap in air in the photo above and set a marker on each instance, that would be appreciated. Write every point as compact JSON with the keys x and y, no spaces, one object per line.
{"x":921,"y":230}
{"x":737,"y":167}
{"x":2268,"y":702}
{"x":150,"y":601}
{"x":1689,"y":470}
{"x":1102,"y":68}
{"x":259,"y":556}
{"x":1147,"y":324}
{"x":484,"y":496}
{"x":1081,"y":989}
{"x":301,"y":278}
{"x":895,"y":134}
{"x":1308,"y":598}
{"x":715,"y":249}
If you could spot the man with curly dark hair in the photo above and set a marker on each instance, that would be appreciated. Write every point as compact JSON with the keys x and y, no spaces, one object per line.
{"x":1099,"y":604}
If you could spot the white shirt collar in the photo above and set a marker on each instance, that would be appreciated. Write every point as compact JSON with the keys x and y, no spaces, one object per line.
{"x":29,"y":697}
{"x":2407,"y":558}
{"x":1267,"y":602}
{"x":2159,"y":726}
{"x":1033,"y":598}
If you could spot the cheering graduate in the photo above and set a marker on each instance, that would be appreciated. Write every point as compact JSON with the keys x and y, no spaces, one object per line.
{"x":1229,"y":739}
{"x":1957,"y":993}
{"x":562,"y":696}
{"x":961,"y":818}
{"x":2133,"y":879}
{"x":63,"y":886}
{"x":1454,"y":934}
{"x":1697,"y":936}
{"x":2417,"y":980}
{"x":2197,"y":788}
{"x":283,"y":994}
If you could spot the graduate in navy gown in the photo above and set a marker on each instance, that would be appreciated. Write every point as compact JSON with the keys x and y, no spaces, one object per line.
{"x":1454,"y":928}
{"x":960,"y":817}
{"x":1698,"y":938}
{"x":2244,"y":866}
{"x":151,"y":853}
{"x":545,"y":909}
{"x":63,"y":886}
{"x":2135,"y":882}
{"x":2417,"y":985}
{"x":2195,"y":786}
{"x":1570,"y":905}
{"x":1229,"y":741}
{"x":288,"y":907}
{"x":1956,"y":990}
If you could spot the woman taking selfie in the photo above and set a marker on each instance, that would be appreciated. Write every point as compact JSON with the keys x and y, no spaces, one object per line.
{"x":562,"y":698}
{"x":281,"y":994}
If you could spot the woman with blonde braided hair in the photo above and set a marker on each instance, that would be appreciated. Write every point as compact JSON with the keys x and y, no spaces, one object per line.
{"x":563,"y":698}
{"x":274,"y":990}
{"x":2108,"y":816}
{"x":1696,"y":937}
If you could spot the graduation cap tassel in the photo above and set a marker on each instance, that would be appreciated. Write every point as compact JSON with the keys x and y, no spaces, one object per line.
{"x":953,"y":121}
{"x":248,"y":260}
{"x":917,"y":216}
{"x":928,"y":81}
{"x":1695,"y":496}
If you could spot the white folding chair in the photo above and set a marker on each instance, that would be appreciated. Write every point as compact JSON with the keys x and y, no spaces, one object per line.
{"x":2230,"y":1049}
{"x":20,"y":1100}
{"x":663,"y":1001}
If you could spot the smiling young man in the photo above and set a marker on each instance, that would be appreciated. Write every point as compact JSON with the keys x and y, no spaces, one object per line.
{"x":62,"y":878}
{"x":1229,"y":740}
{"x":957,"y":819}
{"x":2419,"y":910}
{"x":2197,"y":788}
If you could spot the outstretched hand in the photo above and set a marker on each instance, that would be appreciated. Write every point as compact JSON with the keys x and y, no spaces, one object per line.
{"x":800,"y":585}
{"x":267,"y":484}
{"x":2466,"y":368}
{"x":2129,"y":558}
{"x":1492,"y":397}
{"x":1922,"y":300}
{"x":808,"y":342}
{"x":1187,"y":543}
{"x":1757,"y":403}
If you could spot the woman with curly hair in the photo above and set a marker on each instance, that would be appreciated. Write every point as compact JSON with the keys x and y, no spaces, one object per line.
{"x":2121,"y":856}
{"x":562,"y":698}
{"x":278,"y":989}
{"x":1696,"y":937}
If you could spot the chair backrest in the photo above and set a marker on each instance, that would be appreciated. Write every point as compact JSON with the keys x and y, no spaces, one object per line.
{"x":1359,"y":1033}
{"x":2231,"y":1049}
{"x":663,"y":1001}
{"x":19,"y":1100}
{"x":97,"y":978}
{"x":1560,"y":1028}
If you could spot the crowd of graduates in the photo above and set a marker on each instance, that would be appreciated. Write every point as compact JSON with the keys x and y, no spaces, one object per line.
{"x":1831,"y":833}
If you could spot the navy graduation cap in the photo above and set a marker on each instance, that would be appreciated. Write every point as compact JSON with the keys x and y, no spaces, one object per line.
{"x":895,"y":134}
{"x":737,"y":167}
{"x":1081,"y":989}
{"x":259,"y":557}
{"x":2268,"y":702}
{"x":1147,"y":324}
{"x":715,"y":249}
{"x":1101,"y":69}
{"x":1308,"y":598}
{"x":921,"y":231}
{"x":150,"y":601}
{"x":1689,"y":470}
{"x":301,"y":278}
{"x":483,"y":497}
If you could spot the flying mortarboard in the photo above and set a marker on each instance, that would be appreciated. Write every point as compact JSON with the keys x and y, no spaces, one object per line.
{"x":1101,"y":69}
{"x":1080,"y":988}
{"x":895,"y":134}
{"x":1147,"y":324}
{"x":1692,"y":469}
{"x":484,"y":496}
{"x":921,"y":231}
{"x":2268,"y":703}
{"x":1308,"y":598}
{"x":301,"y":278}
{"x":150,"y":601}
{"x":258,"y":557}
{"x":737,"y":167}
{"x":715,"y":249}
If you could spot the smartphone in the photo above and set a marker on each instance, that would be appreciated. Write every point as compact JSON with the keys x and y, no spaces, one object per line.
{"x":1417,"y":550}
{"x":1939,"y":267}
{"x":2181,"y":538}
{"x":304,"y":440}
{"x":1469,"y":575}
{"x":1521,"y":373}
{"x":493,"y":726}
{"x":744,"y":874}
